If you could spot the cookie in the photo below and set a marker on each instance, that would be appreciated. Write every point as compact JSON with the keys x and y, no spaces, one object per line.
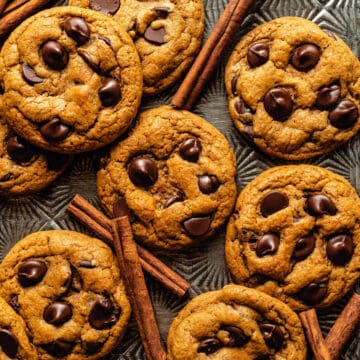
{"x":236,"y":323}
{"x":293,"y":89}
{"x":167,"y":34}
{"x":67,"y":288}
{"x":14,"y":342}
{"x":23,"y":167}
{"x":295,"y":235}
{"x":175,"y":172}
{"x":71,"y":78}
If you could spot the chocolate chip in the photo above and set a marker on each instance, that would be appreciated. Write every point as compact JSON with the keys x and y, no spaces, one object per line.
{"x":258,"y":54}
{"x":31,"y":272}
{"x":278,"y":103}
{"x":241,"y":108}
{"x":106,"y":40}
{"x":20,"y":150}
{"x":105,"y":6}
{"x":173,"y":199}
{"x":104,"y":314}
{"x":6,"y":177}
{"x":8,"y":343}
{"x":272,"y":335}
{"x":110,"y":92}
{"x":208,"y":184}
{"x":88,"y":264}
{"x":89,"y":61}
{"x":14,"y":302}
{"x":93,"y":347}
{"x":233,"y":84}
{"x":78,"y":29}
{"x":190,"y":149}
{"x":313,"y":293}
{"x":57,"y":313}
{"x":340,"y":249}
{"x":237,"y":338}
{"x":54,"y":130}
{"x":163,"y":11}
{"x":56,"y":161}
{"x":328,"y":96}
{"x":54,"y":55}
{"x":143,"y":171}
{"x":344,"y":115}
{"x":209,"y":346}
{"x":197,"y":226}
{"x":30,"y":75}
{"x":320,"y":204}
{"x":304,"y":247}
{"x":76,"y":281}
{"x":155,"y":36}
{"x":305,"y":57}
{"x":267,"y":244}
{"x":59,"y":348}
{"x":273,"y":202}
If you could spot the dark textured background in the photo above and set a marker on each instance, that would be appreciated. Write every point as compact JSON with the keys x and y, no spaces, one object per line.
{"x":204,"y":266}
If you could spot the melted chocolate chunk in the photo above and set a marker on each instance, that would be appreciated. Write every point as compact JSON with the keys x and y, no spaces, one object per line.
{"x":345,"y":115}
{"x":88,"y":264}
{"x":143,"y":171}
{"x":78,"y":29}
{"x":197,"y":226}
{"x":8,"y":343}
{"x":54,"y":130}
{"x":328,"y":96}
{"x":273,"y":202}
{"x":272,"y":334}
{"x":241,"y":108}
{"x":89,"y":61}
{"x":340,"y":249}
{"x":20,"y":150}
{"x":14,"y":302}
{"x":320,"y":204}
{"x":268,"y":244}
{"x":208,"y":184}
{"x":76,"y":282}
{"x":54,"y":55}
{"x":104,"y":314}
{"x":105,"y":6}
{"x":304,"y":247}
{"x":163,"y":11}
{"x":30,"y":75}
{"x":57,"y":313}
{"x":93,"y":347}
{"x":110,"y":92}
{"x":237,"y":338}
{"x":313,"y":293}
{"x":305,"y":57}
{"x":233,"y":84}
{"x":59,"y":348}
{"x":106,"y":40}
{"x":56,"y":161}
{"x":155,"y":36}
{"x":6,"y":177}
{"x":190,"y":149}
{"x":278,"y":103}
{"x":209,"y":346}
{"x":258,"y":54}
{"x":31,"y":272}
{"x":173,"y":199}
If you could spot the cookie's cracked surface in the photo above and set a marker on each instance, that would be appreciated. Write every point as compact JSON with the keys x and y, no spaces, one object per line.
{"x":236,"y":323}
{"x":72,"y":80}
{"x":167,"y":34}
{"x":67,"y":288}
{"x":294,"y":89}
{"x":176,"y":173}
{"x":295,"y":234}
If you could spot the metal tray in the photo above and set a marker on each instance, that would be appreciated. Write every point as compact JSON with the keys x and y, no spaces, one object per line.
{"x":204,"y":266}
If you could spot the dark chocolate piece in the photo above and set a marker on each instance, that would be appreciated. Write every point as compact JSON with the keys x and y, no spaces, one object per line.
{"x":197,"y":226}
{"x":57,"y":313}
{"x":208,"y":184}
{"x":173,"y":199}
{"x":54,"y":55}
{"x":345,"y":115}
{"x":59,"y":348}
{"x":163,"y":11}
{"x":268,"y":244}
{"x":30,"y":75}
{"x":304,"y":247}
{"x":89,"y":61}
{"x":241,"y":108}
{"x":78,"y":29}
{"x":233,"y":84}
{"x":88,"y":264}
{"x":104,"y":314}
{"x":328,"y":96}
{"x":313,"y":293}
{"x":108,"y":7}
{"x":305,"y":57}
{"x":258,"y":54}
{"x":237,"y":337}
{"x":209,"y":346}
{"x":20,"y":150}
{"x":273,"y":202}
{"x":110,"y":92}
{"x":320,"y":204}
{"x":272,"y":334}
{"x":54,"y":130}
{"x":155,"y":36}
{"x":190,"y":149}
{"x":31,"y":272}
{"x":278,"y":103}
{"x":8,"y":343}
{"x":143,"y":171}
{"x":340,"y":249}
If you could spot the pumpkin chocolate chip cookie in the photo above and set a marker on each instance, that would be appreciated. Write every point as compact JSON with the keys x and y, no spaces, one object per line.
{"x":72,"y":80}
{"x":295,"y":235}
{"x":294,"y":89}
{"x":176,"y":174}
{"x":67,"y":288}
{"x":167,"y":34}
{"x":236,"y":323}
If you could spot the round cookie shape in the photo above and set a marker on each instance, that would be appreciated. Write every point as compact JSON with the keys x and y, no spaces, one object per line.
{"x":25,"y":168}
{"x":14,"y":341}
{"x":72,"y":80}
{"x":68,"y":289}
{"x":293,"y":89}
{"x":306,"y":253}
{"x":166,"y":33}
{"x":176,"y":174}
{"x":236,"y":323}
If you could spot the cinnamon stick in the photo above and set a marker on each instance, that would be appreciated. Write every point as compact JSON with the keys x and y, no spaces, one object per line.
{"x":3,"y":3}
{"x":12,"y":5}
{"x":101,"y":225}
{"x":316,"y":341}
{"x":136,"y":289}
{"x":211,"y":53}
{"x":343,"y":327}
